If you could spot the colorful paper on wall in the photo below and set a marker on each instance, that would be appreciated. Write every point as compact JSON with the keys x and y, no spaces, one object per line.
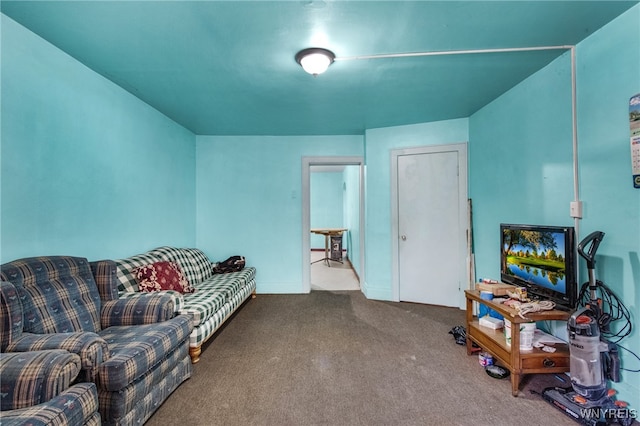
{"x":634,"y":123}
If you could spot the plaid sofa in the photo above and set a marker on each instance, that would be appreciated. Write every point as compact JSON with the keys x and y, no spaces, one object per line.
{"x":134,"y":350}
{"x":216,"y":298}
{"x":37,"y":390}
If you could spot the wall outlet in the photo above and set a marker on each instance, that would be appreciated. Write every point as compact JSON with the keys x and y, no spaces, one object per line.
{"x":575,"y":209}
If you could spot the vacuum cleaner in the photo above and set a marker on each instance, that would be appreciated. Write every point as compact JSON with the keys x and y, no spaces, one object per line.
{"x":593,"y":360}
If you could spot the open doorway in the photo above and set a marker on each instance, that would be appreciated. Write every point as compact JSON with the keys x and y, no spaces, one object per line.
{"x":334,"y":217}
{"x":333,"y":207}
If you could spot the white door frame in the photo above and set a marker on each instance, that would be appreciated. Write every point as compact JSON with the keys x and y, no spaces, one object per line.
{"x":307,"y":162}
{"x":461,"y":148}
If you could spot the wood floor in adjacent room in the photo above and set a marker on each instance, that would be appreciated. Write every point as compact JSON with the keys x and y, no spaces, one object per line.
{"x":337,"y":276}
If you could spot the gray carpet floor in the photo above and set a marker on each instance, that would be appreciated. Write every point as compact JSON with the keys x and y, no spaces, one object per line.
{"x":336,"y":358}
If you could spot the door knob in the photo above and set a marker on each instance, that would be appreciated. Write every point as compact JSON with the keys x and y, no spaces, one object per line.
{"x":404,"y":238}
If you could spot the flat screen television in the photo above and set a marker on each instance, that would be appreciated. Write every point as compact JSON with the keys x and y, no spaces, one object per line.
{"x":542,"y":259}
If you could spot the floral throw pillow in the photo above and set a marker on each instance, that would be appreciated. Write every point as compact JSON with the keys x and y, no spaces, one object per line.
{"x":162,"y":276}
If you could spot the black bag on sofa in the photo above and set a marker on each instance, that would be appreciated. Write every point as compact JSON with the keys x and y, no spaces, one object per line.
{"x":232,"y":264}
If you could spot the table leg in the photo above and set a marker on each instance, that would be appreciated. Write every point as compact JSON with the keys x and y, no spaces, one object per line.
{"x":515,"y":358}
{"x":469,"y":319}
{"x":326,"y":250}
{"x":515,"y":384}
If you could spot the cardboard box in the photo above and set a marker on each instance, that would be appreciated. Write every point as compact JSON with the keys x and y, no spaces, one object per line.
{"x":498,"y":289}
{"x":491,"y":322}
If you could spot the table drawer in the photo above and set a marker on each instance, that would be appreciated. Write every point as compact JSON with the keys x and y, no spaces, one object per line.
{"x":544,"y":362}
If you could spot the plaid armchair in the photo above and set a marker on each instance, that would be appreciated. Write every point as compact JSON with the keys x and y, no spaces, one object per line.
{"x":36,"y":390}
{"x":134,"y":350}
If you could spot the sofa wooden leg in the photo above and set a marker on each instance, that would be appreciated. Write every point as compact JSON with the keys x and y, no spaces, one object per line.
{"x":253,"y":294}
{"x":194,"y":353}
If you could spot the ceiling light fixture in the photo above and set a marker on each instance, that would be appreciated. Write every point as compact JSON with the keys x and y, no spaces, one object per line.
{"x":315,"y":60}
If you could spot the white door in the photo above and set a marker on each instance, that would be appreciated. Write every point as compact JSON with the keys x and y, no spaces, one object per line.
{"x":430,"y":253}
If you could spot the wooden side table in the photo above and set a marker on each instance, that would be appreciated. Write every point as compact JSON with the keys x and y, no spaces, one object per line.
{"x":511,"y":357}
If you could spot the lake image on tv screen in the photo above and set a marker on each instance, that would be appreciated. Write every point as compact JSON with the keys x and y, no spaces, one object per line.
{"x":536,"y":257}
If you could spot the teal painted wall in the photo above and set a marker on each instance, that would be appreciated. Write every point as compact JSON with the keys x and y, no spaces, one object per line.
{"x":87,"y":168}
{"x":521,"y":164}
{"x":607,"y":78}
{"x":378,"y":146}
{"x":520,"y":161}
{"x":249,"y":200}
{"x":326,"y":203}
